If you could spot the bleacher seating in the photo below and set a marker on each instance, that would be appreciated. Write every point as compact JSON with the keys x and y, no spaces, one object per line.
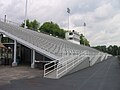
{"x":53,"y":45}
{"x":55,"y":48}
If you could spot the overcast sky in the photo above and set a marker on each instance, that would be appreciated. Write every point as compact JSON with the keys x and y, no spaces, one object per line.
{"x":102,"y":17}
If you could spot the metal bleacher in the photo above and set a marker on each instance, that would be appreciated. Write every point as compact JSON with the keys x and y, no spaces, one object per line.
{"x":65,"y":55}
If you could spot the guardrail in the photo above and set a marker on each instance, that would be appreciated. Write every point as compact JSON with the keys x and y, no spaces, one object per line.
{"x":50,"y":67}
{"x":94,"y":58}
{"x":70,"y":64}
{"x":62,"y":66}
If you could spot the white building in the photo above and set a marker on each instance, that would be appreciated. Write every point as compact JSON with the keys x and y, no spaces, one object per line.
{"x":73,"y":37}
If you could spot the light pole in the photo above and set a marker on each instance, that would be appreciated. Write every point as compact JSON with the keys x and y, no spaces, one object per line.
{"x":68,"y":10}
{"x":25,"y":14}
{"x":84,"y":27}
{"x":84,"y":32}
{"x":5,"y":19}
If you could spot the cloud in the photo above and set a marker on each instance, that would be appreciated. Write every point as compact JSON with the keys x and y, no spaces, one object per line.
{"x":101,"y":16}
{"x":108,"y":31}
{"x":104,"y":11}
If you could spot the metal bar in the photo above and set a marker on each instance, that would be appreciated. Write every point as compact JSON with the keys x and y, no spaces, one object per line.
{"x":42,"y":61}
{"x":70,"y":61}
{"x":49,"y":67}
{"x":49,"y":71}
{"x":64,"y":65}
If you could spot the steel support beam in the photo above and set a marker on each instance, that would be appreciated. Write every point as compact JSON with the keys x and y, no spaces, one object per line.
{"x":33,"y":59}
{"x":14,"y":59}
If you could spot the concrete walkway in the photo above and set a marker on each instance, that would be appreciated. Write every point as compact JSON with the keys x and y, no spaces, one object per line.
{"x":8,"y":73}
{"x":102,"y":76}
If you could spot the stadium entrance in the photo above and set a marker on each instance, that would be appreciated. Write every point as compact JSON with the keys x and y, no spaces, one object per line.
{"x":15,"y":54}
{"x":23,"y":54}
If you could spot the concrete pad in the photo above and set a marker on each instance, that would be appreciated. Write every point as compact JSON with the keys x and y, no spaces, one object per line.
{"x":8,"y":73}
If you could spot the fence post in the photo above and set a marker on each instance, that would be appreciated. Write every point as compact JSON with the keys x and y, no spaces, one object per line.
{"x":44,"y":70}
{"x":57,"y":71}
{"x":66,"y":66}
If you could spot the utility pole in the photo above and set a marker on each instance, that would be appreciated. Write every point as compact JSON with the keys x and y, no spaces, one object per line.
{"x":25,"y":14}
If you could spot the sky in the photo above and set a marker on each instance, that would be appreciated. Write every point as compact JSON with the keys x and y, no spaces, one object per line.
{"x":102,"y":17}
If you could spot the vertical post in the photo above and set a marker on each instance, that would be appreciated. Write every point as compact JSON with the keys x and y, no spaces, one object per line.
{"x":68,"y":10}
{"x":84,"y":32}
{"x":5,"y":18}
{"x":33,"y":59}
{"x":84,"y":35}
{"x":66,"y":66}
{"x":44,"y":70}
{"x":15,"y":47}
{"x":0,"y":37}
{"x":25,"y":14}
{"x":68,"y":21}
{"x":57,"y":70}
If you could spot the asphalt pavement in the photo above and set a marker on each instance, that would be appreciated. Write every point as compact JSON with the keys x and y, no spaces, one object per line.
{"x":102,"y":76}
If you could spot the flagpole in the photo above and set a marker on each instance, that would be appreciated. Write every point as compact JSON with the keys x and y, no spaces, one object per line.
{"x":25,"y":14}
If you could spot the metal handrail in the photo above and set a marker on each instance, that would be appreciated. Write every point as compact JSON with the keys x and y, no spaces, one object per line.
{"x":65,"y":64}
{"x":57,"y":65}
{"x":71,"y":62}
{"x":46,"y":69}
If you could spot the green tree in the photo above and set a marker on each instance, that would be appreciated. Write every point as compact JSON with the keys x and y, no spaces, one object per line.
{"x":83,"y":40}
{"x":52,"y":28}
{"x":113,"y":50}
{"x":33,"y":25}
{"x":110,"y":49}
{"x":103,"y":48}
{"x":27,"y":23}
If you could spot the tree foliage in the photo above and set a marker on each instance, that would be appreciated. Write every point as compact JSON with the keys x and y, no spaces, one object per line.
{"x":84,"y":41}
{"x":33,"y":25}
{"x":52,"y":28}
{"x":114,"y":50}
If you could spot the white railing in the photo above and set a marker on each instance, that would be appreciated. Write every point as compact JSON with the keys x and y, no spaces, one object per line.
{"x":63,"y":65}
{"x":94,"y":59}
{"x":50,"y":67}
{"x":69,"y":65}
